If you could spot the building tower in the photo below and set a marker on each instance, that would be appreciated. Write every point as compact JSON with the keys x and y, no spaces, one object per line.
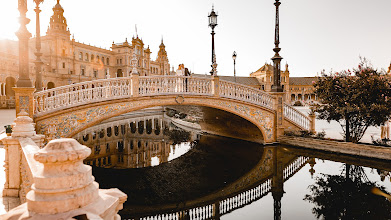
{"x":60,"y":51}
{"x":162,"y":59}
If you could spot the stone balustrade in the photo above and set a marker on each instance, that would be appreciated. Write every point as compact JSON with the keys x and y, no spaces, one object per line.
{"x":297,"y":117}
{"x":53,"y":181}
{"x":245,"y":93}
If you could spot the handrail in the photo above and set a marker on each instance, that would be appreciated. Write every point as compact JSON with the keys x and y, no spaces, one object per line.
{"x":78,"y":94}
{"x":245,"y":93}
{"x":296,"y":117}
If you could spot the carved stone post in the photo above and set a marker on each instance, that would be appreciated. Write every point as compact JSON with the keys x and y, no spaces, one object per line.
{"x":135,"y":85}
{"x":278,"y":105}
{"x":23,"y":127}
{"x":24,"y":90}
{"x":312,"y":125}
{"x":215,"y":86}
{"x":24,"y":97}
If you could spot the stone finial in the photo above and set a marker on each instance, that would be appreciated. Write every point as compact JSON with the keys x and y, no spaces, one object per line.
{"x":64,"y":183}
{"x":23,"y":125}
{"x":61,"y":150}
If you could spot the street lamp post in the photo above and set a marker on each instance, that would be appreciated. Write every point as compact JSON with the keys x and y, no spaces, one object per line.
{"x":234,"y":58}
{"x":213,"y":23}
{"x":276,"y":87}
{"x":23,"y":35}
{"x":38,"y":54}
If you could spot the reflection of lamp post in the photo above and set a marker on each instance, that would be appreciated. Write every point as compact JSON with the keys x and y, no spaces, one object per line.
{"x":234,"y":58}
{"x":38,"y":54}
{"x":276,"y":87}
{"x":213,"y":23}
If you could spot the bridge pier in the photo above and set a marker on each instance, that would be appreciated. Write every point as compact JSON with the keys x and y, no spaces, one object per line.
{"x":278,"y":105}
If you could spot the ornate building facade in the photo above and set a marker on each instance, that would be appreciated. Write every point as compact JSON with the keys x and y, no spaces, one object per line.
{"x":66,"y":61}
{"x":295,"y":88}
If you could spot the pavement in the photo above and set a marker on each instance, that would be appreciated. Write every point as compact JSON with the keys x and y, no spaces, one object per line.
{"x":7,"y":116}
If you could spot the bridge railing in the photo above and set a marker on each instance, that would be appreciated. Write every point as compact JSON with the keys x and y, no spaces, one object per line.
{"x":166,"y":85}
{"x":125,"y":87}
{"x":245,"y":93}
{"x":297,"y":117}
{"x":81,"y":93}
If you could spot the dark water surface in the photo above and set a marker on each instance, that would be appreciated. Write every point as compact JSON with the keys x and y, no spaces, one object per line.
{"x":173,"y":171}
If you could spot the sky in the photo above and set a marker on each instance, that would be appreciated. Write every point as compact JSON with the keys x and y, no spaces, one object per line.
{"x":315,"y":35}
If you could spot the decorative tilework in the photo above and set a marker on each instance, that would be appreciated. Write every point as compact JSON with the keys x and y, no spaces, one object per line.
{"x":24,"y":103}
{"x":71,"y":122}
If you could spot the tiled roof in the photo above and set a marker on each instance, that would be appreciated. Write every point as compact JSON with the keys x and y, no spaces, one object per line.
{"x":250,"y":81}
{"x":265,"y":67}
{"x":306,"y":81}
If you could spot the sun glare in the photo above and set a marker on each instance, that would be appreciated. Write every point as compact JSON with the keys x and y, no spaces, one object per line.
{"x":9,"y":21}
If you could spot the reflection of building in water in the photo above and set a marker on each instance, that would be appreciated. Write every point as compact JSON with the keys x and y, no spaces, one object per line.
{"x":130,"y":140}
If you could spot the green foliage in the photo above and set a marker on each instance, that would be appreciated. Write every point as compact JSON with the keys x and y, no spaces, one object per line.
{"x":356,"y":99}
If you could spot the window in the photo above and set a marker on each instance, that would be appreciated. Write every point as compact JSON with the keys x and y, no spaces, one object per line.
{"x":120,"y":61}
{"x":80,"y":56}
{"x":95,"y":73}
{"x":86,"y":57}
{"x":107,"y":61}
{"x":63,"y":65}
{"x":271,"y":79}
{"x":103,"y":60}
{"x":92,"y":57}
{"x":82,"y":72}
{"x":97,"y":59}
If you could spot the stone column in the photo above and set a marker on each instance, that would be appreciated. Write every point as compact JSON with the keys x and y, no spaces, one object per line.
{"x":135,"y":85}
{"x":312,"y":116}
{"x":278,"y":105}
{"x":22,"y":127}
{"x":24,"y":100}
{"x":215,"y":86}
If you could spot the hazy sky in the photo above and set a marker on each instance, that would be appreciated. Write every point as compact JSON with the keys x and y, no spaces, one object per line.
{"x":314,"y":34}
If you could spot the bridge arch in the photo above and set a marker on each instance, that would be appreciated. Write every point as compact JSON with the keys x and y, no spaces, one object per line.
{"x":66,"y":110}
{"x":69,"y":122}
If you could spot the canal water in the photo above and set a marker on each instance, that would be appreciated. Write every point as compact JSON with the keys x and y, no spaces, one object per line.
{"x":171,"y":169}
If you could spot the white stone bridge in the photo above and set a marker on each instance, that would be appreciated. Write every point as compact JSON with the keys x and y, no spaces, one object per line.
{"x":67,"y":110}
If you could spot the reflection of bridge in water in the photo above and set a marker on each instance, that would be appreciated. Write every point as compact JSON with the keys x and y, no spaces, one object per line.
{"x":67,"y":110}
{"x":132,"y":140}
{"x":267,"y":176}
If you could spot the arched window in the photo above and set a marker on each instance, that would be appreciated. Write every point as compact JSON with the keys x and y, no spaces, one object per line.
{"x":92,"y":57}
{"x":107,"y":61}
{"x":80,"y":56}
{"x":97,"y":59}
{"x":103,"y":60}
{"x":86,"y":56}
